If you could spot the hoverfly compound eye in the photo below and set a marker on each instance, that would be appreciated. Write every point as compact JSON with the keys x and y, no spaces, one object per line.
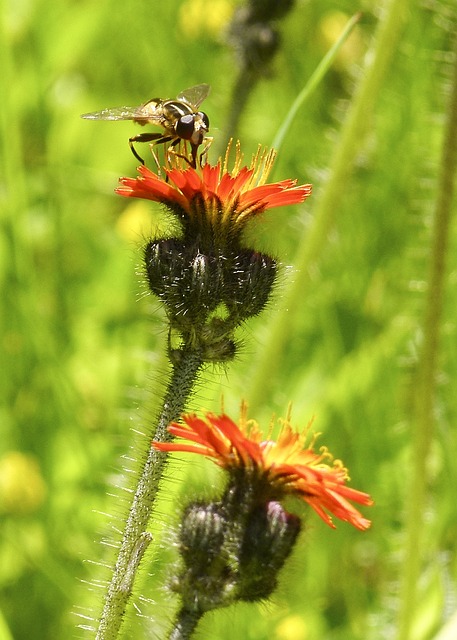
{"x":204,"y":119}
{"x":185,"y":127}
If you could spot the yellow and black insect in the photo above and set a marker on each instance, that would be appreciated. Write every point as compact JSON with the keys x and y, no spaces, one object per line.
{"x":179,"y":118}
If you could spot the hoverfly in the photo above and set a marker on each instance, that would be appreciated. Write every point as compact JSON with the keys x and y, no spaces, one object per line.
{"x":180,"y":120}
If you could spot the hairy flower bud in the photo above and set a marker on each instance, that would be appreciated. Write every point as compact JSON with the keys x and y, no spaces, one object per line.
{"x":187,"y":282}
{"x":206,"y":580}
{"x":270,"y":534}
{"x":249,"y":283}
{"x":201,"y":534}
{"x":263,"y":10}
{"x":204,"y":283}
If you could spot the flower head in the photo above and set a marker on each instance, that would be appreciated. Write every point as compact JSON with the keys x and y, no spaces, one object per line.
{"x":288,"y":465}
{"x":213,"y":202}
{"x":207,"y":279}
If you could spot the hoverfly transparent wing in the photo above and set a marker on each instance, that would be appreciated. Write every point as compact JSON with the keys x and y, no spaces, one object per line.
{"x":116,"y":113}
{"x":146,"y":112}
{"x":194,"y":96}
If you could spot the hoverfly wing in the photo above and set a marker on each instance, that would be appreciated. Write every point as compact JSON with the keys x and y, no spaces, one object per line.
{"x":194,"y":96}
{"x":116,"y":113}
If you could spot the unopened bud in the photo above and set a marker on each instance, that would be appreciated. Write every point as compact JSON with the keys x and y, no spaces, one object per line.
{"x":163,"y":260}
{"x":186,"y":281}
{"x":204,"y":283}
{"x":249,"y":283}
{"x":267,"y":10}
{"x":270,"y":535}
{"x":206,"y":580}
{"x":201,"y":534}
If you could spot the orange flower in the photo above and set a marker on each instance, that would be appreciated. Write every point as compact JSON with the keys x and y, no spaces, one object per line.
{"x":214,"y":197}
{"x":287,"y":464}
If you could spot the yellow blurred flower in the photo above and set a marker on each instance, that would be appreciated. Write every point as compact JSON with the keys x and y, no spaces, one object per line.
{"x":204,"y":17}
{"x":22,"y":487}
{"x":292,"y":627}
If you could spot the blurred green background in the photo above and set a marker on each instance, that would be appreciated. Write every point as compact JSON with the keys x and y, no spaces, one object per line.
{"x":82,"y":364}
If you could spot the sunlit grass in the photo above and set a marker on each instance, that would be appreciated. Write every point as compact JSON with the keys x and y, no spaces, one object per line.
{"x":82,"y":347}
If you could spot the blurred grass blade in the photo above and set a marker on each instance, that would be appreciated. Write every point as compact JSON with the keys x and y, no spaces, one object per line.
{"x":5,"y":633}
{"x":314,"y":81}
{"x":428,"y":368}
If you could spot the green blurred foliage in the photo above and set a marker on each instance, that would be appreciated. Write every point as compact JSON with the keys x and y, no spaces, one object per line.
{"x":82,"y":346}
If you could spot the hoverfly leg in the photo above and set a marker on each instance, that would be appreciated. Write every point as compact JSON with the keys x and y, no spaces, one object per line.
{"x":133,"y":150}
{"x":203,"y":155}
{"x":191,"y":163}
{"x":156,"y":158}
{"x":171,"y":150}
{"x":155,"y":138}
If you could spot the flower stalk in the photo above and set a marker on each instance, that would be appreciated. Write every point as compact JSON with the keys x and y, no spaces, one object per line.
{"x":136,"y":539}
{"x":256,"y":39}
{"x":424,"y":398}
{"x":185,"y":625}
